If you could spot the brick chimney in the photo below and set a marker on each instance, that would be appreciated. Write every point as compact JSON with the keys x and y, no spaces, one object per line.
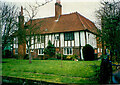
{"x":58,"y":9}
{"x":21,"y":46}
{"x":21,"y":19}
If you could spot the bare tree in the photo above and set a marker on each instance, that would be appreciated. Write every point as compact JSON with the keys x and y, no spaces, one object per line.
{"x":28,"y":34}
{"x":8,"y":22}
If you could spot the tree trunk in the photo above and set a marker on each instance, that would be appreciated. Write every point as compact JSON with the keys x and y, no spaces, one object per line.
{"x":29,"y":56}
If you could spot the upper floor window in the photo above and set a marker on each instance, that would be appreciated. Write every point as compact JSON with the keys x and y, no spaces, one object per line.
{"x":57,"y":37}
{"x":38,"y":39}
{"x":16,"y":40}
{"x":42,"y":38}
{"x":69,"y":36}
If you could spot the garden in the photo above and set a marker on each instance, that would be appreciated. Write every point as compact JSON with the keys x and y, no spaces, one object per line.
{"x":51,"y":70}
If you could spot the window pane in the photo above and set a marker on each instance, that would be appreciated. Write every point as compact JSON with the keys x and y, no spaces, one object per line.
{"x":38,"y":51}
{"x":65,"y":51}
{"x":69,"y":36}
{"x":72,"y":36}
{"x":70,"y":50}
{"x":42,"y":51}
{"x":42,"y":39}
{"x":65,"y":37}
{"x":16,"y":50}
{"x":57,"y":37}
{"x":38,"y":39}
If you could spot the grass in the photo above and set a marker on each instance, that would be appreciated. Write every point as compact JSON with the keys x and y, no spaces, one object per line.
{"x":50,"y":70}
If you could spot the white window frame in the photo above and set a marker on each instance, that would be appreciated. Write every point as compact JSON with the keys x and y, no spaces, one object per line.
{"x":26,"y":51}
{"x":65,"y":53}
{"x":98,"y":50}
{"x":32,"y":50}
{"x":39,"y":50}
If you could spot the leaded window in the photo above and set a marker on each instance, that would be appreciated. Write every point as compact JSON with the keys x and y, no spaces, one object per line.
{"x":69,"y":36}
{"x":41,"y":51}
{"x":68,"y":51}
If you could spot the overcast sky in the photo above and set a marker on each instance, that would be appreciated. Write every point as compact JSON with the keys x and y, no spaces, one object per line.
{"x":86,"y":8}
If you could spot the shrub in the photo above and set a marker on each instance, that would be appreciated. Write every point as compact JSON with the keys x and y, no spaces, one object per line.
{"x":42,"y":57}
{"x":97,"y":72}
{"x":58,"y":55}
{"x":26,"y":56}
{"x":88,"y":52}
{"x":15,"y":56}
{"x":64,"y":57}
{"x":52,"y":59}
{"x":71,"y":57}
{"x":50,"y":49}
{"x":6,"y":54}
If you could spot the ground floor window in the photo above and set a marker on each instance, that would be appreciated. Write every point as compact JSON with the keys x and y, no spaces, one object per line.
{"x":16,"y":50}
{"x":68,"y":51}
{"x":32,"y":50}
{"x":40,"y":51}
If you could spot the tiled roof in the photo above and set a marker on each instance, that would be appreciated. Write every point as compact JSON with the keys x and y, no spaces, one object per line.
{"x":66,"y":23}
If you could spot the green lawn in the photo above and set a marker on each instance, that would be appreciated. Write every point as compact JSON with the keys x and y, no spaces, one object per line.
{"x":50,"y":70}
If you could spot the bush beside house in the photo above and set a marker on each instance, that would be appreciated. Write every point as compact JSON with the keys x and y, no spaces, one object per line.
{"x":88,"y":53}
{"x":49,"y":50}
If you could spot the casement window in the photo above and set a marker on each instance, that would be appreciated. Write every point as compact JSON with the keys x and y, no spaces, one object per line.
{"x":16,"y":50}
{"x":42,"y":38}
{"x":69,"y":36}
{"x":99,"y":50}
{"x":40,"y":51}
{"x":68,"y":51}
{"x":32,"y":50}
{"x":57,"y":37}
{"x":38,"y":39}
{"x":16,"y":40}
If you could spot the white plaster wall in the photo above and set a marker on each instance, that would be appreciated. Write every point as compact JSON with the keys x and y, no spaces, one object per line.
{"x":46,"y":40}
{"x":56,"y":41}
{"x":82,"y":38}
{"x":68,"y":43}
{"x":91,"y":39}
{"x":62,"y":39}
{"x":65,"y":43}
{"x":52,"y":39}
{"x":76,"y":37}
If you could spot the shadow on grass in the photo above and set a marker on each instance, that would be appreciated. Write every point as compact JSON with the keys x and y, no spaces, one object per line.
{"x":14,"y":81}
